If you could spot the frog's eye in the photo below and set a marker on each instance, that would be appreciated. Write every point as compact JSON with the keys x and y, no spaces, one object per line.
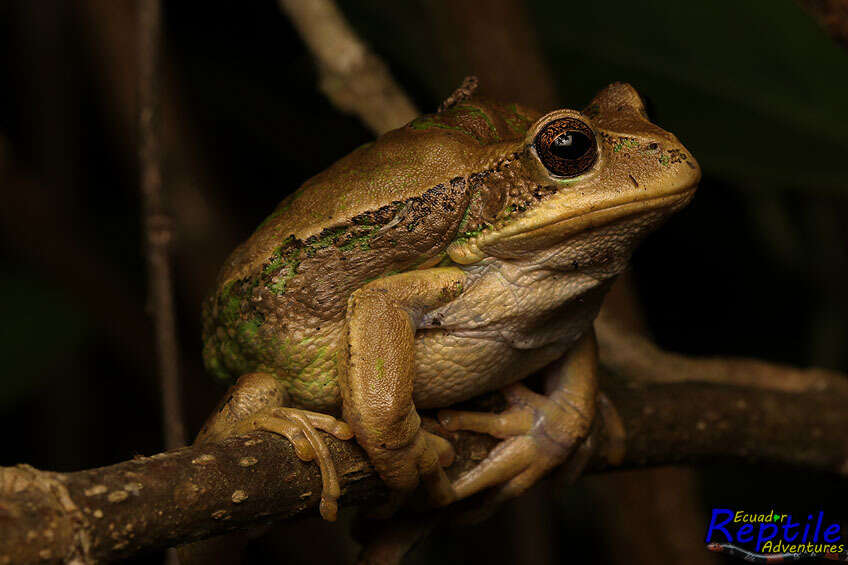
{"x":566,"y":147}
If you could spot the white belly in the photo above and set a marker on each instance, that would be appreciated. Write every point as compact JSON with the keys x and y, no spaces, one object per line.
{"x":511,"y":320}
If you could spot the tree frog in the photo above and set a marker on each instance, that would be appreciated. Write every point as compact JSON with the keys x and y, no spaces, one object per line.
{"x":453,"y":256}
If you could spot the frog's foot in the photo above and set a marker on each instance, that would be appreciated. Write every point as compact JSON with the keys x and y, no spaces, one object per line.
{"x":300,"y":428}
{"x":422,"y":461}
{"x":539,"y":434}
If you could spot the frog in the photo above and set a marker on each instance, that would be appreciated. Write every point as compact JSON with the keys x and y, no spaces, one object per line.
{"x":452,"y":257}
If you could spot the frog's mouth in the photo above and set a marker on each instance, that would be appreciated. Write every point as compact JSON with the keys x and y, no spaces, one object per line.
{"x":550,"y":224}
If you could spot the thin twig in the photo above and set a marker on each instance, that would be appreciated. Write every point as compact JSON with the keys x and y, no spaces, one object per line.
{"x":353,"y":78}
{"x":204,"y":231}
{"x":157,"y":224}
{"x":196,"y":492}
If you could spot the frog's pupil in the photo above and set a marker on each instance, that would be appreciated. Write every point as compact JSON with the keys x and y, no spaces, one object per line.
{"x":566,"y":147}
{"x":571,"y":145}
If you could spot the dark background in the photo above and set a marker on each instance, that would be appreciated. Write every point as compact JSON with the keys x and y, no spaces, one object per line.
{"x":757,"y":266}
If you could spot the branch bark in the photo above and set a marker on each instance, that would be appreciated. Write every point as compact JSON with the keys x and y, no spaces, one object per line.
{"x":196,"y":492}
{"x":632,"y":354}
{"x":354,"y":79}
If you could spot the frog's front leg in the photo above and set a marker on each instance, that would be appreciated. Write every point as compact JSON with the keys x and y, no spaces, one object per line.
{"x":376,"y":378}
{"x":258,"y":402}
{"x":540,"y":432}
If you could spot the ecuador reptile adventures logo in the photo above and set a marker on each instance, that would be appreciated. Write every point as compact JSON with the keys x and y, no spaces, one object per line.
{"x":775,"y":537}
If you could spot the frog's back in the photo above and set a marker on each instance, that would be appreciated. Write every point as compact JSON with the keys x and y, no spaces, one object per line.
{"x":402,"y":165}
{"x":391,"y":205}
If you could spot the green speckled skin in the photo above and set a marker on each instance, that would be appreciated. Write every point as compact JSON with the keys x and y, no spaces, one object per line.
{"x":460,"y":187}
{"x":454,"y":256}
{"x":387,"y":207}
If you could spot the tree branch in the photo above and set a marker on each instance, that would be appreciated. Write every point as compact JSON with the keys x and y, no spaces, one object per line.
{"x":832,"y":15}
{"x":157,"y":224}
{"x":353,"y":78}
{"x":196,"y":492}
{"x":632,"y":354}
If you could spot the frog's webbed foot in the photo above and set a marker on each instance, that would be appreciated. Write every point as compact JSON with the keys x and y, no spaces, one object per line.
{"x":540,"y":432}
{"x":403,"y":468}
{"x":538,"y":436}
{"x":300,"y":428}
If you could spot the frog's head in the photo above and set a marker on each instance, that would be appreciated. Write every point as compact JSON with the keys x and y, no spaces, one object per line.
{"x":574,"y":172}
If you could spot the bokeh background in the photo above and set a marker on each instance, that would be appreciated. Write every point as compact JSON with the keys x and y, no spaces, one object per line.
{"x":757,"y":266}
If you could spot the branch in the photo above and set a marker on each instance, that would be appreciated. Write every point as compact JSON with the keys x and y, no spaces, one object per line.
{"x":157,"y":224}
{"x":196,"y":492}
{"x":832,"y":15}
{"x":631,"y":354}
{"x":203,"y":231}
{"x":500,"y":45}
{"x":352,"y":77}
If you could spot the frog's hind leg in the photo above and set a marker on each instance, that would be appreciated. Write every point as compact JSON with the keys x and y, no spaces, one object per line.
{"x":257,"y":402}
{"x":540,"y":432}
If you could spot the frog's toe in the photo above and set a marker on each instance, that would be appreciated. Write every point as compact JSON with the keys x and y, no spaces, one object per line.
{"x":538,"y":433}
{"x":508,"y":460}
{"x":280,"y":425}
{"x":300,"y":428}
{"x":325,"y":422}
{"x":514,"y":466}
{"x":503,"y":425}
{"x":445,"y":453}
{"x":421,"y":461}
{"x":331,"y":490}
{"x":438,"y":486}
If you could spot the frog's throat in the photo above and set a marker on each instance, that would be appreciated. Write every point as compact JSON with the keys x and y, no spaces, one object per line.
{"x":473,"y":249}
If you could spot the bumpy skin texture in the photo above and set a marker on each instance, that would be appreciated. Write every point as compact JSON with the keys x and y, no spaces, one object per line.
{"x":440,"y":262}
{"x":385,"y":208}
